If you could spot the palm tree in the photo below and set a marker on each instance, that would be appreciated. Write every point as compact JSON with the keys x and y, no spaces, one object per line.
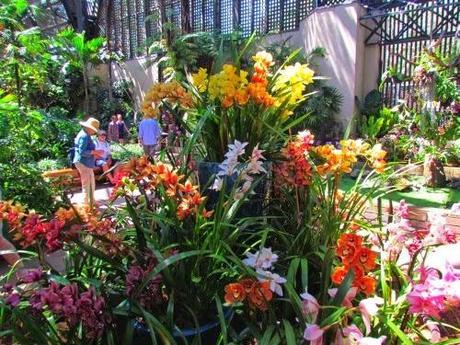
{"x":82,"y":53}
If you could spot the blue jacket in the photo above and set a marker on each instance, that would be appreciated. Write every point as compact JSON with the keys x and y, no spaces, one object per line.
{"x":83,"y":147}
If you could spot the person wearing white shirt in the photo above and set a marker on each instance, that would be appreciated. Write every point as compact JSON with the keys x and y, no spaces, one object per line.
{"x":105,"y":159}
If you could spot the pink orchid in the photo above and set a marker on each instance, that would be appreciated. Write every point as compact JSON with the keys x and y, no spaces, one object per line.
{"x":262,"y":259}
{"x":314,"y":334}
{"x":369,"y":307}
{"x":354,"y":334}
{"x":402,"y":210}
{"x":275,"y":280}
{"x":310,"y":306}
{"x":432,"y":332}
{"x":426,"y":299}
{"x":349,"y":297}
{"x":372,"y":341}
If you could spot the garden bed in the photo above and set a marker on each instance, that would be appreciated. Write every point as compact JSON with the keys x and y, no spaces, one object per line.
{"x":452,"y":172}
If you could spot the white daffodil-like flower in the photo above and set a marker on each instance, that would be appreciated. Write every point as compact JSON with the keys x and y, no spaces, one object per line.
{"x":275,"y":281}
{"x":263,"y":259}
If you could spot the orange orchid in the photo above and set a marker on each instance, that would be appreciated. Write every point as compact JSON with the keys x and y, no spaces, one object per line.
{"x":366,"y":258}
{"x":339,"y":274}
{"x":350,"y":239}
{"x":346,"y":252}
{"x":366,"y":284}
{"x":234,"y":293}
{"x":187,"y":188}
{"x":259,"y":295}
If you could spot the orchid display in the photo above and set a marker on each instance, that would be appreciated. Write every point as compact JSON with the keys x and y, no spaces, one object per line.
{"x":253,"y":106}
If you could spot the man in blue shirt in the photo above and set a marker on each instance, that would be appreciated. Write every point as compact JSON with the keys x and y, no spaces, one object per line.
{"x":149,"y":133}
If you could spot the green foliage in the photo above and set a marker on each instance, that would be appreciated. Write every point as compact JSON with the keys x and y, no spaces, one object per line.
{"x":126,"y":152}
{"x":378,"y":125}
{"x":27,"y":137}
{"x":120,"y":102}
{"x":322,"y":107}
{"x":184,"y":54}
{"x":80,"y":53}
{"x":47,"y":164}
{"x":323,"y":103}
{"x":23,"y":183}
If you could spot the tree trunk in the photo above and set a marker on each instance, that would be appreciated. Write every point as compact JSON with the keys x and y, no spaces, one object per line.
{"x":86,"y":86}
{"x":18,"y":84}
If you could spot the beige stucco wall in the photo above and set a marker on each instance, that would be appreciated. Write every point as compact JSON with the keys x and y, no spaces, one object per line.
{"x":141,"y":76}
{"x":134,"y":70}
{"x":350,"y":66}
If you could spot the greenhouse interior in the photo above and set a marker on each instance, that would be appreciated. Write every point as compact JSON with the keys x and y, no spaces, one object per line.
{"x":229,"y":172}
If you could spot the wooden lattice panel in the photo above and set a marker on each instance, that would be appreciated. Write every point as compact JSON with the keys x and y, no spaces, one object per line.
{"x":259,"y":15}
{"x":197,"y":15}
{"x":289,"y":21}
{"x":274,"y":15}
{"x":209,"y":15}
{"x":246,"y":17}
{"x":226,"y":16}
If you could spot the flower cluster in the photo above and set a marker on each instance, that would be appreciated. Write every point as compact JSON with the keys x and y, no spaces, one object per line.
{"x":231,"y":86}
{"x":256,"y":293}
{"x":231,"y":166}
{"x":292,"y":82}
{"x":262,"y":261}
{"x":301,"y":159}
{"x":296,"y":169}
{"x":151,"y":296}
{"x":153,"y":177}
{"x":65,"y":302}
{"x":30,"y":228}
{"x":433,"y":295}
{"x":349,"y":334}
{"x":171,"y":92}
{"x":359,"y":259}
{"x":228,"y":86}
{"x":402,"y":234}
{"x":342,"y":160}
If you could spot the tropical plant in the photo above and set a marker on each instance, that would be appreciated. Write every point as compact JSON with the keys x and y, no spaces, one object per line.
{"x":184,"y":54}
{"x":81,"y":53}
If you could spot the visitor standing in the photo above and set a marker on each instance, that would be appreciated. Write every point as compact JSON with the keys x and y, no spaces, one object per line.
{"x":113,"y":130}
{"x":85,"y":158}
{"x":122,"y":129}
{"x":149,"y":132}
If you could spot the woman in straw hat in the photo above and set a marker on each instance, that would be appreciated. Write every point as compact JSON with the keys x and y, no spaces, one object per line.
{"x":85,"y":157}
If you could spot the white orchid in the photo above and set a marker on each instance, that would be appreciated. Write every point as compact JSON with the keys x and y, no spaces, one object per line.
{"x":263,"y":259}
{"x":275,"y":281}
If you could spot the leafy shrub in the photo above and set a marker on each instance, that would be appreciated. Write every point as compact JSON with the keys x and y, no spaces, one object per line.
{"x":126,"y":152}
{"x":47,"y":164}
{"x":23,"y":183}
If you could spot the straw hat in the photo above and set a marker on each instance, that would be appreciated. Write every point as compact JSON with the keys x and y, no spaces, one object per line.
{"x":91,"y":123}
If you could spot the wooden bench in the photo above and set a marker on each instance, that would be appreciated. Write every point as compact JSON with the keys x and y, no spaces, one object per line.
{"x":71,"y":177}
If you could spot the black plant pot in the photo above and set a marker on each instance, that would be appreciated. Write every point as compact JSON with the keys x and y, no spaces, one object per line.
{"x":209,"y":332}
{"x":253,"y":207}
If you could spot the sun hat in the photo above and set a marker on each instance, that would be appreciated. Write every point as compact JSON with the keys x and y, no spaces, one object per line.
{"x":102,"y":132}
{"x":91,"y":123}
